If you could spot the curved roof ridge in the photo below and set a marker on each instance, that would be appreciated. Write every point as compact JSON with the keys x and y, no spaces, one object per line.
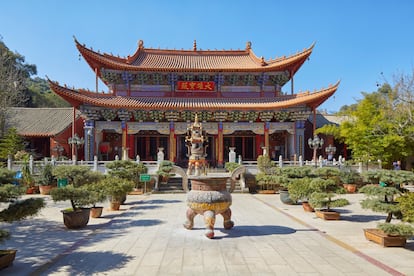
{"x":311,"y":99}
{"x":145,"y":59}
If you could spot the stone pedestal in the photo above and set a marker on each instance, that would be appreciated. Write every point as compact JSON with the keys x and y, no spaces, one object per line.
{"x":209,"y":197}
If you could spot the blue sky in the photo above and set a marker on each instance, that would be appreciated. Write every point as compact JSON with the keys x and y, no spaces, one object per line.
{"x":360,"y":42}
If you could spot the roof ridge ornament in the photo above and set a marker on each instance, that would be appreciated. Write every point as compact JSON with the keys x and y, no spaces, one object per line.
{"x":263,"y":62}
{"x":248,"y":45}
{"x":195,"y":45}
{"x":141,"y":44}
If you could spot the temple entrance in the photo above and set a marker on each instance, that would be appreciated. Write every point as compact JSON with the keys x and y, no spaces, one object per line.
{"x":244,"y":142}
{"x":147,"y":144}
{"x":278,"y":145}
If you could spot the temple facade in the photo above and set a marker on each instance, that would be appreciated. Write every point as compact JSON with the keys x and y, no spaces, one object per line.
{"x":154,"y":94}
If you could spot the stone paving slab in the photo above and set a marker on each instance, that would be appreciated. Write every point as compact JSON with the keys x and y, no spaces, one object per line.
{"x":147,"y":238}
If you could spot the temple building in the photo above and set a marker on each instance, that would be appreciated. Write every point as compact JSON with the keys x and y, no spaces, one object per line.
{"x":154,"y":94}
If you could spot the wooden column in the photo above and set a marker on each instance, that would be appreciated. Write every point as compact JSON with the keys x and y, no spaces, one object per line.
{"x":258,"y":145}
{"x":172,"y":143}
{"x":220,"y":162}
{"x":124,"y":140}
{"x":266,"y":136}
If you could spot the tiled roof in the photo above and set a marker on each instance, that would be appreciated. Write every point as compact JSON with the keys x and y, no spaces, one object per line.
{"x":194,"y":60}
{"x":79,"y":97}
{"x":327,"y":119}
{"x":40,"y":122}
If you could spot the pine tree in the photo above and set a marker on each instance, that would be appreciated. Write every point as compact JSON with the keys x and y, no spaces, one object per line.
{"x":11,"y":143}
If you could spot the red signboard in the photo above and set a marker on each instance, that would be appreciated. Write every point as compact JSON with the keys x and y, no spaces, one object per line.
{"x":195,"y":85}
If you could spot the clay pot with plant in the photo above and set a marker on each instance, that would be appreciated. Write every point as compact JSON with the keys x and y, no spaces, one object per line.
{"x":388,"y":200}
{"x":300,"y":190}
{"x":47,"y":181}
{"x":325,"y":197}
{"x":350,"y":179}
{"x":128,"y":170}
{"x":27,"y":178}
{"x":77,"y":192}
{"x":116,"y":189}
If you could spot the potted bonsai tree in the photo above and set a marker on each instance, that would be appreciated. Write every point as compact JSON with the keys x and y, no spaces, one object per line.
{"x":47,"y":180}
{"x":350,"y":179}
{"x":300,"y":190}
{"x":116,"y":188}
{"x":97,"y":194}
{"x":383,"y":199}
{"x":77,"y":193}
{"x":290,"y":174}
{"x":129,"y":170}
{"x":325,"y":197}
{"x":15,"y":210}
{"x":25,"y":173}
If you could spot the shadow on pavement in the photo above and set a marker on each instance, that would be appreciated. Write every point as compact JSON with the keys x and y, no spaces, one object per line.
{"x":74,"y":264}
{"x":254,"y":230}
{"x":363,"y":218}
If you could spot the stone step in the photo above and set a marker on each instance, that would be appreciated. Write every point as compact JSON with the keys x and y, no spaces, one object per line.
{"x":174,"y":185}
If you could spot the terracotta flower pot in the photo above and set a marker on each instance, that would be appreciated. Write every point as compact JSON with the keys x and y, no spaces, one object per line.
{"x":350,"y":188}
{"x":96,"y":212}
{"x":7,"y":257}
{"x":307,"y":207}
{"x":76,"y":219}
{"x":45,"y":189}
{"x":114,"y":205}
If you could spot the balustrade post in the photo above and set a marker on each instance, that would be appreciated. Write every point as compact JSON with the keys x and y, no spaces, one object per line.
{"x":95,"y":163}
{"x":9,"y":162}
{"x":31,"y":164}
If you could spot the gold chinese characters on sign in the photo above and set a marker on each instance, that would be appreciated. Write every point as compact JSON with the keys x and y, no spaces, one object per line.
{"x":195,"y":86}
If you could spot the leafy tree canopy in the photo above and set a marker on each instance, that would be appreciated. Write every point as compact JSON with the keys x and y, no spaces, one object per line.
{"x":380,"y":126}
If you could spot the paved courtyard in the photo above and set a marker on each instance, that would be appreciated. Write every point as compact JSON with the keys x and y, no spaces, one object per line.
{"x":147,"y":238}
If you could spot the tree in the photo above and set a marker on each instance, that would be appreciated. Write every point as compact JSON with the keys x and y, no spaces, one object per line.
{"x":14,"y":73}
{"x":42,"y":96}
{"x":11,"y":143}
{"x":380,"y":126}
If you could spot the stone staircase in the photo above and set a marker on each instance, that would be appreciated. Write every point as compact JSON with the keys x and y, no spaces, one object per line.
{"x":174,"y":185}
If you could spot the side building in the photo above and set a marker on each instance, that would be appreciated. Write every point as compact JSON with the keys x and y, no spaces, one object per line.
{"x":153,"y":94}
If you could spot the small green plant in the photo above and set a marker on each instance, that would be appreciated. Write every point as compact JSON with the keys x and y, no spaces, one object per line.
{"x":116,"y":188}
{"x":46,"y":175}
{"x":127,"y":169}
{"x":271,"y":181}
{"x":165,"y":168}
{"x":348,"y":175}
{"x":297,"y":172}
{"x":406,"y":204}
{"x":300,"y":189}
{"x":264,"y":164}
{"x":27,"y":177}
{"x":231,"y":166}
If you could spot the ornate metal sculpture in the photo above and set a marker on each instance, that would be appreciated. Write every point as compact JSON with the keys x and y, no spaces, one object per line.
{"x":197,"y":144}
{"x":208,"y":196}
